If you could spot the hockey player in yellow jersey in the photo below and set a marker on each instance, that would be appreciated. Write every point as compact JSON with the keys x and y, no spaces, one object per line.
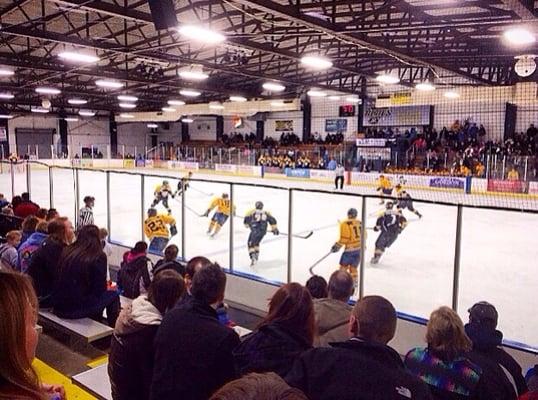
{"x":162,"y":192}
{"x":350,"y":239}
{"x":156,"y":230}
{"x":223,"y":206}
{"x":384,"y":187}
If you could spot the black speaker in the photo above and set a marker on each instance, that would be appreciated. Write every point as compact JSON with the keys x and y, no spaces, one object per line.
{"x":163,"y":14}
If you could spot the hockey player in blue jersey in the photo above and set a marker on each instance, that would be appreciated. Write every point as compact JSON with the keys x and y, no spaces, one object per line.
{"x":390,"y":224}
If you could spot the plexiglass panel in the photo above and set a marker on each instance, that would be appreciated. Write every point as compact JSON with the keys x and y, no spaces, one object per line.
{"x":64,"y":192}
{"x":125,"y":208}
{"x":93,"y":183}
{"x":39,"y":185}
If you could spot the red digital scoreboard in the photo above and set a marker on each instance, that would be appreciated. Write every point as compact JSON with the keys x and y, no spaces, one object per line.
{"x":347,"y":111}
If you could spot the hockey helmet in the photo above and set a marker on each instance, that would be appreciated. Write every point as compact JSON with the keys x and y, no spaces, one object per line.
{"x":352,"y":213}
{"x":225,"y":195}
{"x":389,"y":205}
{"x":259,"y":205}
{"x":165,"y":182}
{"x":152,"y":212}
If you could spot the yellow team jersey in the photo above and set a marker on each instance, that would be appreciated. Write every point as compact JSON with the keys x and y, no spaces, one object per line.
{"x":223,"y":205}
{"x":163,"y":189}
{"x":350,"y":234}
{"x":156,"y":226}
{"x":384,"y":183}
{"x":513,"y":175}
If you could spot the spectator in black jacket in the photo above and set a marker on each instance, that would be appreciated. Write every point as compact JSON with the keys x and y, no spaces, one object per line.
{"x":505,"y":374}
{"x":169,"y":261}
{"x":363,"y":367}
{"x":286,"y":332}
{"x":81,"y":289}
{"x":43,"y":266}
{"x":133,"y":277}
{"x":130,"y":365}
{"x":193,"y":351}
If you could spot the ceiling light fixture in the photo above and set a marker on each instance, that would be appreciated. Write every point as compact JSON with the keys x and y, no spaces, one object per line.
{"x":86,"y":113}
{"x":387,"y":79}
{"x":451,"y":94}
{"x":168,"y":109}
{"x":519,"y":37}
{"x":425,"y":87}
{"x":316,"y":62}
{"x":7,"y":96}
{"x":153,"y":126}
{"x":72,"y":56}
{"x":6,"y":72}
{"x":353,"y":99}
{"x":239,"y":99}
{"x":47,"y":90}
{"x":127,"y":116}
{"x":316,"y":93}
{"x":77,"y":101}
{"x":201,"y":34}
{"x":176,"y":103}
{"x":193,"y":74}
{"x":189,"y":93}
{"x":124,"y":97}
{"x":273,"y":87}
{"x":105,"y":83}
{"x":127,"y":105}
{"x":40,"y":110}
{"x":4,"y":116}
{"x":187,"y":120}
{"x":216,"y":106}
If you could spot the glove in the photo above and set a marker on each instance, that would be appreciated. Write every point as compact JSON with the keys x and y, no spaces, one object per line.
{"x":335,"y":248}
{"x":276,"y":231}
{"x":173,"y":230}
{"x":376,"y":228}
{"x":206,"y":214}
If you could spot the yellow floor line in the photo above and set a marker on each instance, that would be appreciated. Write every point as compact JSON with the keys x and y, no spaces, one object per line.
{"x":98,"y":361}
{"x":51,"y":376}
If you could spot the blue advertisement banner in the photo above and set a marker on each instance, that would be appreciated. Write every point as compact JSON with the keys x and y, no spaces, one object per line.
{"x":448,"y":182}
{"x":336,"y":125}
{"x":297,"y":173}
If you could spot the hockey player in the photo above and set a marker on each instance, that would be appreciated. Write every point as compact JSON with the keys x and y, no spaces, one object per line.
{"x":257,"y":220}
{"x":384,"y":187}
{"x":223,"y":206}
{"x":391,"y":224}
{"x":183,"y":185}
{"x":162,"y":192}
{"x":156,"y":230}
{"x":405,"y":201}
{"x":350,"y":239}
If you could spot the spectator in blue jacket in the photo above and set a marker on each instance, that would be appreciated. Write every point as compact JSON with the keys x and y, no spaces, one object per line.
{"x":33,"y":243}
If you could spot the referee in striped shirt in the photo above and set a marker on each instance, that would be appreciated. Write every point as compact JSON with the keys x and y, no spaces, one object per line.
{"x":85,"y":216}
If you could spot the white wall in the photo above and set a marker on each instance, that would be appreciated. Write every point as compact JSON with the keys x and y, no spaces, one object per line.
{"x":85,"y":133}
{"x":29,"y":122}
{"x":203,"y":129}
{"x":323,"y":109}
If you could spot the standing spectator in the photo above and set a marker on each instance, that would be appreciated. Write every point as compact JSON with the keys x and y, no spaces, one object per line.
{"x":28,"y":227}
{"x":130,"y":364}
{"x":193,"y":351}
{"x":443,"y":365}
{"x":43,"y":266}
{"x":488,"y":353}
{"x":363,"y":367}
{"x":85,"y":215}
{"x":285,"y":333}
{"x":169,"y":261}
{"x":81,"y":290}
{"x":31,"y":245}
{"x":317,"y":286}
{"x":340,"y":171}
{"x":133,"y":277}
{"x":332,"y":313}
{"x":9,"y":258}
{"x":26,"y":207}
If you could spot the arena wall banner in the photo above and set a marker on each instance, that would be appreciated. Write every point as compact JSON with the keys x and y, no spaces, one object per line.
{"x":189,"y":165}
{"x":397,"y":116}
{"x":447,"y":182}
{"x":297,"y":173}
{"x":140,"y":162}
{"x":76,"y":162}
{"x":149,"y":163}
{"x":533,"y":188}
{"x":322,"y":175}
{"x":497,"y":185}
{"x":371,"y":142}
{"x":228,"y":168}
{"x":249,"y":170}
{"x":128,"y":163}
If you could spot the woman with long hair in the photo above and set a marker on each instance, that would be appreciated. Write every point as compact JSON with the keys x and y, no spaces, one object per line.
{"x":18,"y":341}
{"x":285,"y":333}
{"x":81,"y":290}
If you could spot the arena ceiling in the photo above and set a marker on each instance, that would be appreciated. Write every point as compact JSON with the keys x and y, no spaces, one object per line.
{"x":452,"y":42}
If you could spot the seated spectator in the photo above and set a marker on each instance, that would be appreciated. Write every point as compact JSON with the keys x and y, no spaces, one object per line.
{"x":193,"y":351}
{"x":15,"y":202}
{"x":26,"y":207}
{"x":332,"y":313}
{"x":9,"y":258}
{"x":3,"y":201}
{"x":532,"y":383}
{"x":31,"y":245}
{"x":506,"y":377}
{"x":317,"y":287}
{"x":18,"y":313}
{"x":363,"y":367}
{"x":107,"y":249}
{"x":169,"y":261}
{"x":133,"y":277}
{"x":28,"y":227}
{"x":130,"y":365}
{"x":286,"y":332}
{"x":81,"y":289}
{"x":443,"y":365}
{"x":42,"y":214}
{"x":52,"y":214}
{"x":43,"y":266}
{"x":268,"y":386}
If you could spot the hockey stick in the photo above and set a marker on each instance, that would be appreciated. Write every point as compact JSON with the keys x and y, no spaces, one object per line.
{"x":311,"y":269}
{"x":298,"y":235}
{"x":201,"y":191}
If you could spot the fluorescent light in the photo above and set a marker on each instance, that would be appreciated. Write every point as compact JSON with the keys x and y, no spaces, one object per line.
{"x":353,"y":99}
{"x":124,"y":97}
{"x":108,"y":84}
{"x":77,"y":101}
{"x":47,"y":90}
{"x":168,"y":109}
{"x":7,"y":96}
{"x":239,"y":99}
{"x":78,"y":57}
{"x":216,"y":106}
{"x":334,"y":98}
{"x":316,"y":62}
{"x":6,"y":72}
{"x":176,"y":103}
{"x":86,"y":113}
{"x":187,"y":120}
{"x":277,"y":103}
{"x":71,"y":119}
{"x":127,"y":116}
{"x":316,"y":93}
{"x":273,"y":87}
{"x":4,"y":116}
{"x":519,"y":36}
{"x":189,"y":93}
{"x":127,"y":105}
{"x":451,"y":94}
{"x":425,"y":87}
{"x":201,"y":34}
{"x":40,"y":110}
{"x":153,"y":126}
{"x":193,"y":74}
{"x":388,"y":79}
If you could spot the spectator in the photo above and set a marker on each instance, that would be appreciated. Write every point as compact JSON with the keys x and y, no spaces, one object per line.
{"x":131,"y":357}
{"x":332,"y":313}
{"x":193,"y":351}
{"x":41,"y":214}
{"x":107,"y":249}
{"x":332,"y":164}
{"x":487,"y":353}
{"x":317,"y":286}
{"x":85,"y":215}
{"x":52,"y":214}
{"x":15,"y":202}
{"x":133,"y":277}
{"x":43,"y":266}
{"x":81,"y":290}
{"x":169,"y":261}
{"x":532,"y":383}
{"x":3,"y":201}
{"x":194,"y":265}
{"x":443,"y":365}
{"x":513,"y":174}
{"x":285,"y":333}
{"x":31,"y":245}
{"x":362,"y":367}
{"x":26,"y":207}
{"x":268,"y":386}
{"x":532,"y":131}
{"x":28,"y":227}
{"x":9,"y":258}
{"x":18,"y":336}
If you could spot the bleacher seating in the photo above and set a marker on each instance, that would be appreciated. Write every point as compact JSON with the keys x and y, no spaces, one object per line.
{"x":85,"y":329}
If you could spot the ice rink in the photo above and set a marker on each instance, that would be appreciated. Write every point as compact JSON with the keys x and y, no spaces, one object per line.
{"x":498,"y":252}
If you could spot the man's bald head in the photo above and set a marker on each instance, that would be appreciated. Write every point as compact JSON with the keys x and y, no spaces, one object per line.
{"x":373,"y":318}
{"x":340,"y":286}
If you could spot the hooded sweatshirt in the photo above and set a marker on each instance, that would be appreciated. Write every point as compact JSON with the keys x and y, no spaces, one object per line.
{"x":130,"y":366}
{"x":134,"y":278}
{"x":28,"y":248}
{"x":332,"y":317}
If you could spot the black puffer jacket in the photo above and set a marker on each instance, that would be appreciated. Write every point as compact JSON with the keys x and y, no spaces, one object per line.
{"x":133,"y":277}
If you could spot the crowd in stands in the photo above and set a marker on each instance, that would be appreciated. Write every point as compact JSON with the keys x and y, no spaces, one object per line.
{"x":286,"y":139}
